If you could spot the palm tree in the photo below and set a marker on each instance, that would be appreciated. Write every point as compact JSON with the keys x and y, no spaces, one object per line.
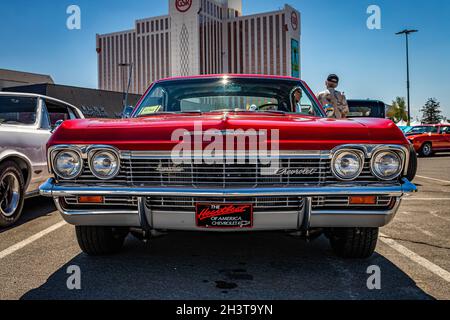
{"x":398,"y":112}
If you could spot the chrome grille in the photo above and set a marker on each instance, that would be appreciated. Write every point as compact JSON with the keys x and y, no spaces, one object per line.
{"x":123,"y":178}
{"x":162,"y":172}
{"x":142,"y":171}
{"x":174,"y":204}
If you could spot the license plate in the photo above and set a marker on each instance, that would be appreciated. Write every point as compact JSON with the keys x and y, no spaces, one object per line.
{"x":224,"y":216}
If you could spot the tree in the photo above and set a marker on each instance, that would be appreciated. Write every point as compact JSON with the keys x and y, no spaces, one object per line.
{"x":431,"y":112}
{"x":398,"y":111}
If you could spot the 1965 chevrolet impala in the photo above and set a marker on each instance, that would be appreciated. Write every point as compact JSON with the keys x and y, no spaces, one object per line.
{"x":229,"y":153}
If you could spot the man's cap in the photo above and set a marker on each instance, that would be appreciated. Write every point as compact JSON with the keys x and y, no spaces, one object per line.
{"x":333,"y":78}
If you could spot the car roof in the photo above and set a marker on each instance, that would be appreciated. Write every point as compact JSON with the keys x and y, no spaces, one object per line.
{"x":231,"y":75}
{"x":34,"y":95}
{"x":365,"y":100}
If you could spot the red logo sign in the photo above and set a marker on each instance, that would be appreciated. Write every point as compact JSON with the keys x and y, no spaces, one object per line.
{"x":294,"y":20}
{"x":183,"y":5}
{"x":223,"y":211}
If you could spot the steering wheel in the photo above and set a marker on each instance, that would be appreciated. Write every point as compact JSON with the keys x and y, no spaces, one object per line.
{"x":268,"y":105}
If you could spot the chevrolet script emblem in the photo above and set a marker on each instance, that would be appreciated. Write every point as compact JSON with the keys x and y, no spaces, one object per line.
{"x":172,"y":169}
{"x":296,"y":172}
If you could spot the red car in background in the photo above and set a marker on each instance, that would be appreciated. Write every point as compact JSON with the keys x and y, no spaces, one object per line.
{"x":429,"y":139}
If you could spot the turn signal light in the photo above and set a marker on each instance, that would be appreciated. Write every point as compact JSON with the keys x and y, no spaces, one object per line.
{"x":93,"y":199}
{"x":363,"y":200}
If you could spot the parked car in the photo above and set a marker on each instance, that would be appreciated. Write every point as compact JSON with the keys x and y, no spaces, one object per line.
{"x":429,"y":139}
{"x":26,"y":124}
{"x":367,"y":109}
{"x":345,"y":177}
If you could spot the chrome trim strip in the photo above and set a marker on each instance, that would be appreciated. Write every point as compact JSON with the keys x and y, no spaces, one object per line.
{"x":50,"y":188}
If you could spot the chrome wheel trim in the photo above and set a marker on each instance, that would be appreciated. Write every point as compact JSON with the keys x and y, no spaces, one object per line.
{"x":426,"y":149}
{"x":9,"y":194}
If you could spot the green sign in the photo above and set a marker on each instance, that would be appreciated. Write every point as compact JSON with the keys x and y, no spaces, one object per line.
{"x":295,"y":54}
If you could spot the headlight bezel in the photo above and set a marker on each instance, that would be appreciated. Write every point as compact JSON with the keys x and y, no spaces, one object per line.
{"x":400,"y":169}
{"x":58,"y":172}
{"x":358,"y":153}
{"x":93,"y":152}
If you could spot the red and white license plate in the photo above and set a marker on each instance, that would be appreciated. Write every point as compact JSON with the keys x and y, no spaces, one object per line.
{"x":224,"y":216}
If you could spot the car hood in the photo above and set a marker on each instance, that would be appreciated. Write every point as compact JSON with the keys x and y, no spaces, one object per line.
{"x":296,"y":132}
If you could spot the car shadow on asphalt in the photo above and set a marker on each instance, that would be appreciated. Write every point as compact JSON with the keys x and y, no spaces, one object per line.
{"x":227,"y":266}
{"x":33,"y":208}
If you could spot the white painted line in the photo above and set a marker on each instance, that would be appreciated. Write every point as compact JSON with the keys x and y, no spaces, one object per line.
{"x":426,"y":199}
{"x":31,"y":239}
{"x":433,"y":179}
{"x":444,"y":274}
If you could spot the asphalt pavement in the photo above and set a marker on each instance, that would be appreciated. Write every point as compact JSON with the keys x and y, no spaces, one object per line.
{"x":413,"y":256}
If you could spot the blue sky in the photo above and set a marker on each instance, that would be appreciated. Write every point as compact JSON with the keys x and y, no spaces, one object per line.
{"x":371,"y":63}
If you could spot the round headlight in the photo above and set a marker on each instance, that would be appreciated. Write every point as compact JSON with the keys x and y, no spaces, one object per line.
{"x":105,"y":165}
{"x":347,"y":165}
{"x":386,"y":165}
{"x":68,"y":164}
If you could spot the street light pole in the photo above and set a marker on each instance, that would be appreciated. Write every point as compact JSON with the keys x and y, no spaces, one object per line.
{"x":406,"y":32}
{"x":125,"y":92}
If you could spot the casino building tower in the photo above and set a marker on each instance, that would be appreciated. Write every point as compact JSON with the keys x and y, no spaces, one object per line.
{"x":200,"y":37}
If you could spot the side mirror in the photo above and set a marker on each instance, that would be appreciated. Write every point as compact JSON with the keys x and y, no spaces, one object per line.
{"x":127,"y":112}
{"x":57,"y":124}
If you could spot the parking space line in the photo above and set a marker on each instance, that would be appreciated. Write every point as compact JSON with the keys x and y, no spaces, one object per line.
{"x":31,"y":239}
{"x":426,"y":199}
{"x":433,"y":179}
{"x":435,"y":269}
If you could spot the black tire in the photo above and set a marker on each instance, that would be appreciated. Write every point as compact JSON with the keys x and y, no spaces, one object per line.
{"x":11,"y":169}
{"x":98,"y":241}
{"x":426,"y":150}
{"x":412,"y":168}
{"x":354,"y":243}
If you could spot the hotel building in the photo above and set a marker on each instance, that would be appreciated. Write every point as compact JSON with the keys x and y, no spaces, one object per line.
{"x":200,"y":37}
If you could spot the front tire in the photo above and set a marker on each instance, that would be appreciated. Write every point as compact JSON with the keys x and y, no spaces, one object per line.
{"x":12,"y":189}
{"x":354,"y":243}
{"x":99,"y":241}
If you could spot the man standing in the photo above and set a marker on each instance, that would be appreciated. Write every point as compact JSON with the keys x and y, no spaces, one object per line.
{"x":334,"y":98}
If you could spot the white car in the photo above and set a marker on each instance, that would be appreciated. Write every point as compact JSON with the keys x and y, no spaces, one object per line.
{"x":26,"y":124}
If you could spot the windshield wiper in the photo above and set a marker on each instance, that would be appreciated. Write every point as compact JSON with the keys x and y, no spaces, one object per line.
{"x":155,"y":114}
{"x":273,"y":111}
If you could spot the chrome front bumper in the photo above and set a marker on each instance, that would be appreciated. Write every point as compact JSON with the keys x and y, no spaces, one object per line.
{"x":303,"y":219}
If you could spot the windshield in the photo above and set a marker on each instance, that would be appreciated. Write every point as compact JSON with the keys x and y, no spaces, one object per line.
{"x":18,"y":110}
{"x":421,"y":130}
{"x":363,"y":109}
{"x":225,"y":94}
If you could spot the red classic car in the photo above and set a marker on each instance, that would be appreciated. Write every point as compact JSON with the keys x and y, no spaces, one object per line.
{"x":229,"y":153}
{"x":429,"y":139}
